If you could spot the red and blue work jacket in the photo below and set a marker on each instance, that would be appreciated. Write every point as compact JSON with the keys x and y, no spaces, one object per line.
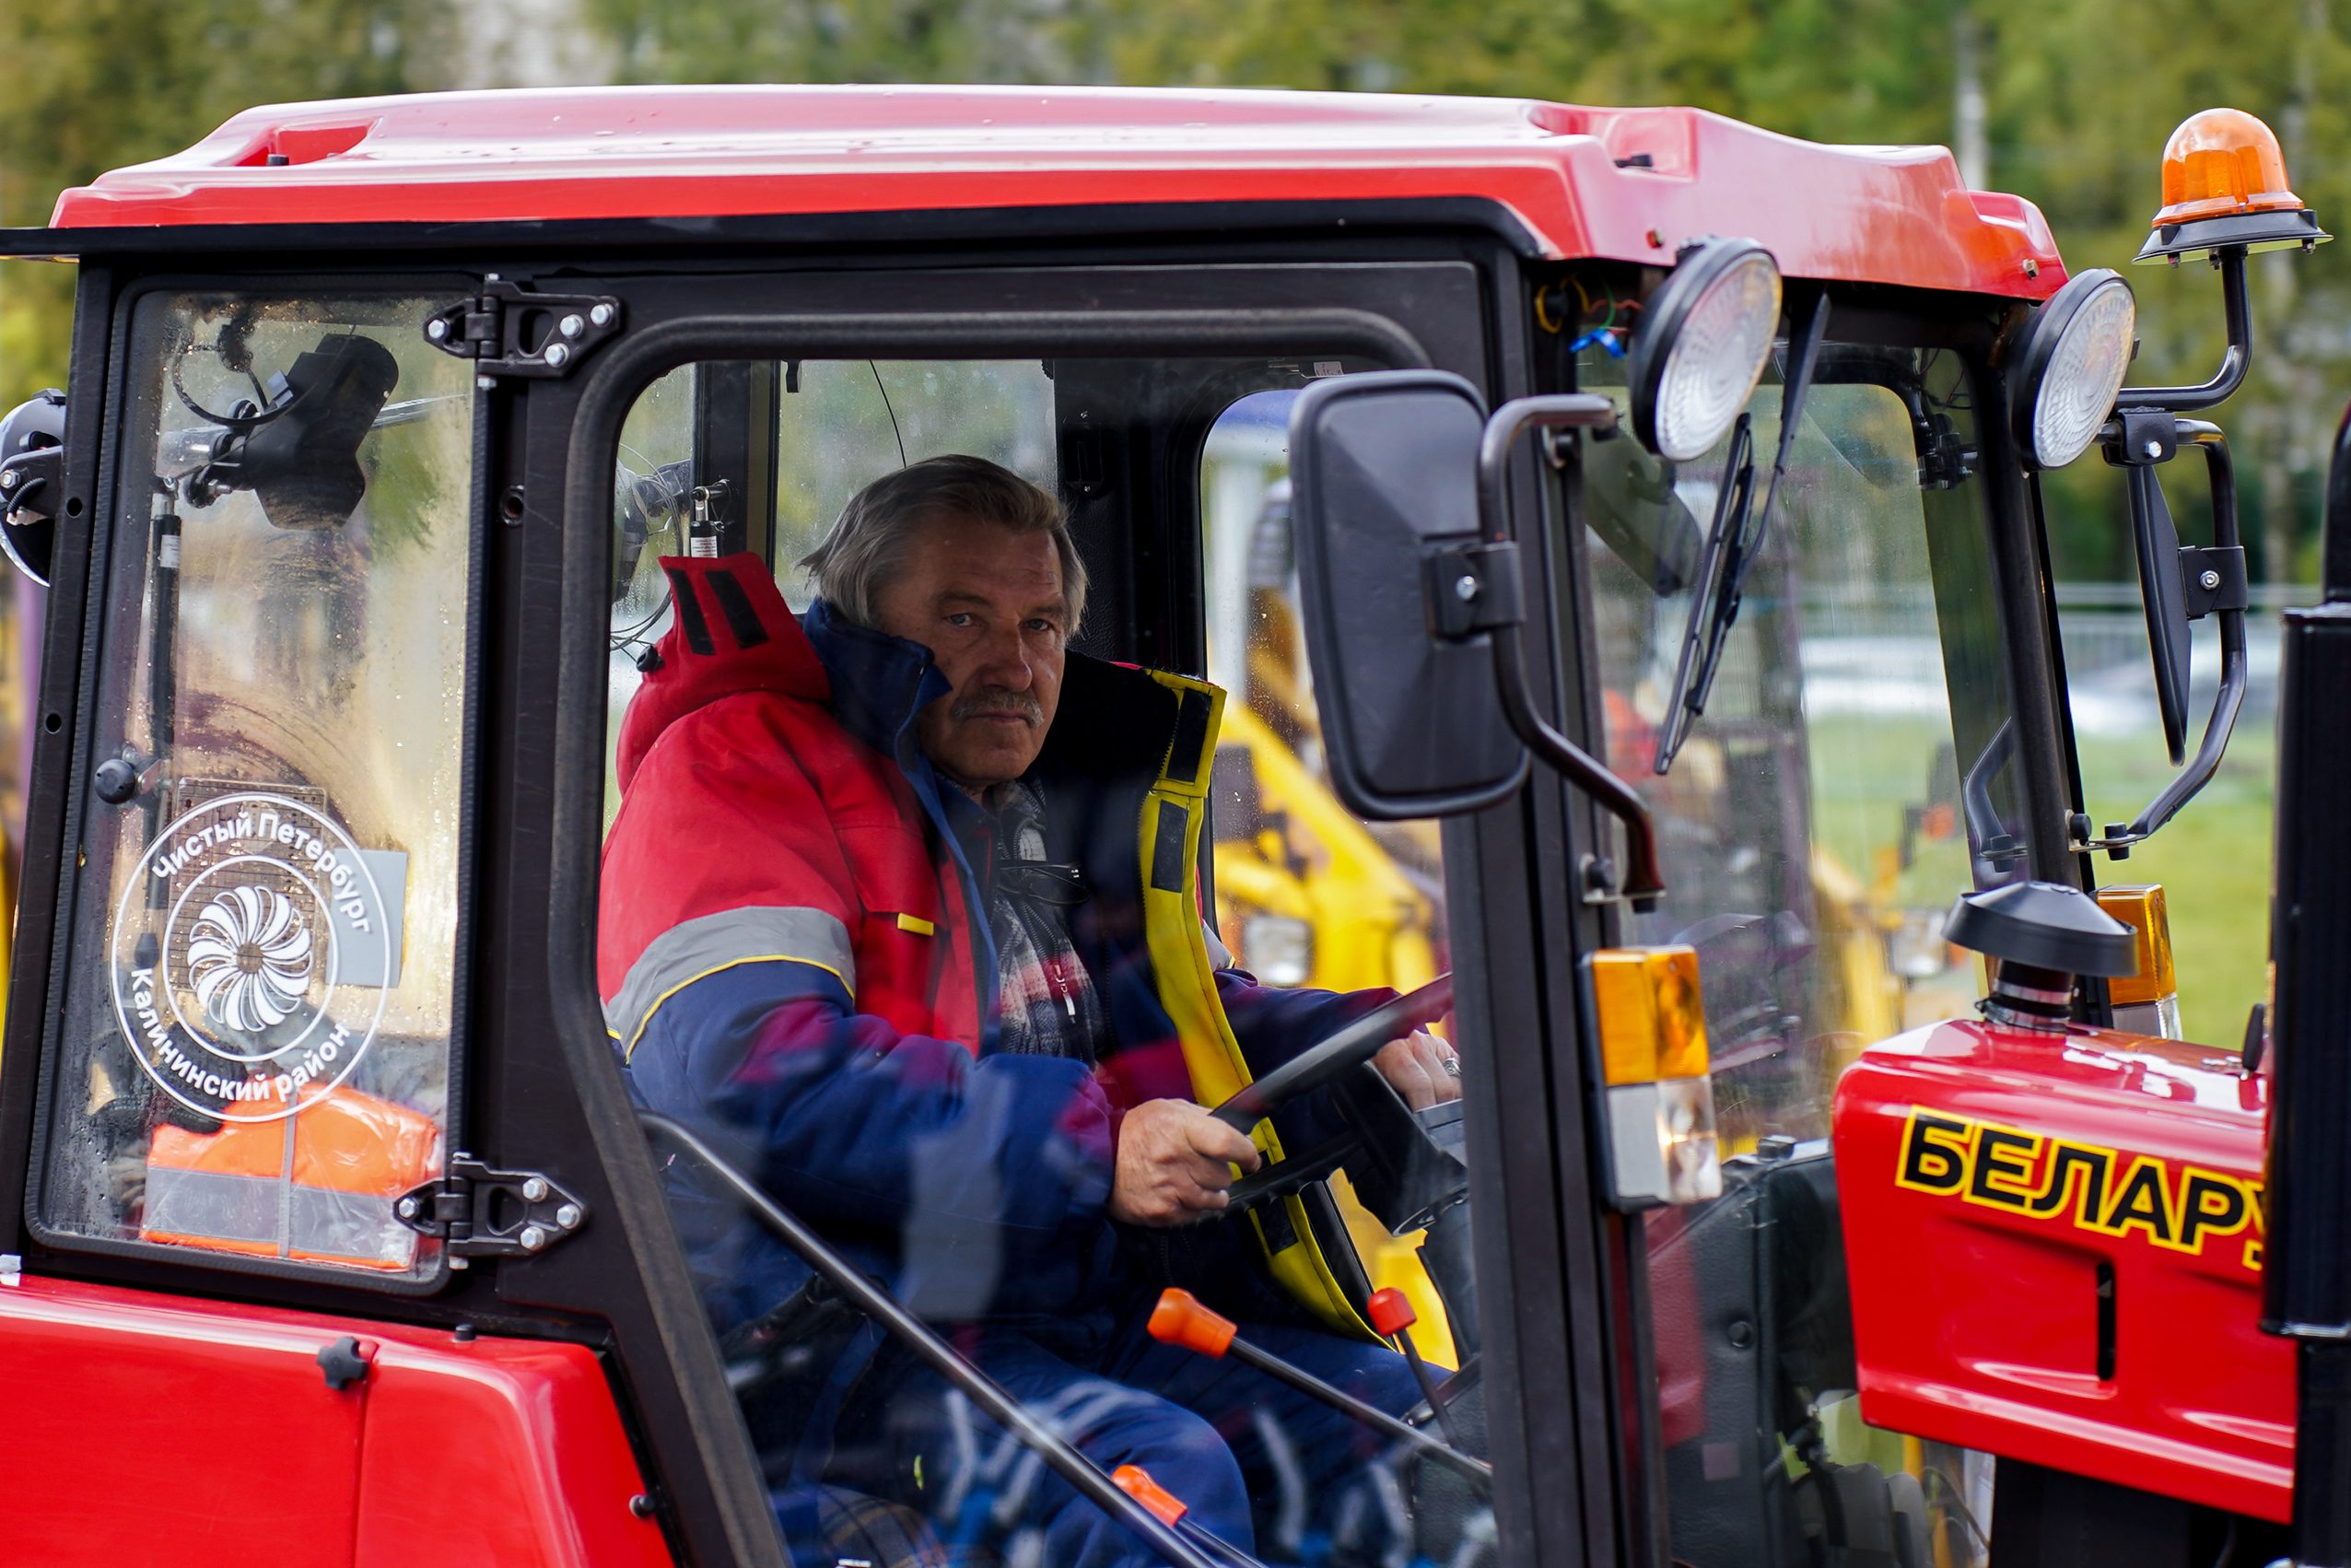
{"x":794,"y":957}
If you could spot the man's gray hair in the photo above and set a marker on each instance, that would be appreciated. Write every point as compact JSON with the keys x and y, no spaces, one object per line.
{"x":869,"y":540}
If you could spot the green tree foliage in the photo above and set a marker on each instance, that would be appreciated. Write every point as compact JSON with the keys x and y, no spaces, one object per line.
{"x":104,"y":82}
{"x":2076,"y":99}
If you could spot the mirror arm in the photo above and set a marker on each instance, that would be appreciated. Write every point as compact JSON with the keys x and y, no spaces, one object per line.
{"x":2231,"y":696}
{"x":2230,"y":260}
{"x":1642,"y":885}
{"x":1085,"y":1477}
{"x":1562,"y":411}
{"x":1990,"y":836}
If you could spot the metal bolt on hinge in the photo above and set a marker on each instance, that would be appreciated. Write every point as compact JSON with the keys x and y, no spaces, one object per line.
{"x":2210,"y":581}
{"x":602,"y":315}
{"x":8,"y":478}
{"x":437,"y":328}
{"x":2153,"y":449}
{"x":479,"y":1212}
{"x":1465,"y":587}
{"x":556,"y":354}
{"x":571,"y":326}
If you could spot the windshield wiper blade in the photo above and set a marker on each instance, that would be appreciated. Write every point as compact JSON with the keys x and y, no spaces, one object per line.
{"x":1732,"y":545}
{"x":1709,"y":614}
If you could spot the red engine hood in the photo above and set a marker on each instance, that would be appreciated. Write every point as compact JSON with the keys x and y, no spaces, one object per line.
{"x":2055,"y":1244}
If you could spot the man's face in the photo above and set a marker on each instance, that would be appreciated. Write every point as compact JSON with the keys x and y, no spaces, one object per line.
{"x":987,"y":603}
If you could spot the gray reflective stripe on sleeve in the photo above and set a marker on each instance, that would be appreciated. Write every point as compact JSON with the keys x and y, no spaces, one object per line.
{"x":260,"y":1211}
{"x":693,"y":949}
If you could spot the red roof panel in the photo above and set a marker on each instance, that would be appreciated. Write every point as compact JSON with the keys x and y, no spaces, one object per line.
{"x":1887,"y":214}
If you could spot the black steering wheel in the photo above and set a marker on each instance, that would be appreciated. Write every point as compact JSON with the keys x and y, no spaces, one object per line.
{"x":1403,"y":1168}
{"x":1327,"y":1064}
{"x":1350,"y":1046}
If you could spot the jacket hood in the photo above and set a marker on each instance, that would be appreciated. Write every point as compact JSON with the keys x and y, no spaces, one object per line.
{"x":731,"y":632}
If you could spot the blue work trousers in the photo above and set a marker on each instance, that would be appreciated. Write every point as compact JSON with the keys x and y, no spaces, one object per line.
{"x":1272,"y":1470}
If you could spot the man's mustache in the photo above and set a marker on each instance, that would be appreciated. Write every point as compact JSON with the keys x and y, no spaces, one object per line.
{"x":1020,"y":704}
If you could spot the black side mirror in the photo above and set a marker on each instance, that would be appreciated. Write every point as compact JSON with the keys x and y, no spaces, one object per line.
{"x":1385,"y":475}
{"x":2178,"y":584}
{"x":32,"y":478}
{"x":299,"y":456}
{"x":2155,"y":540}
{"x":1410,"y":581}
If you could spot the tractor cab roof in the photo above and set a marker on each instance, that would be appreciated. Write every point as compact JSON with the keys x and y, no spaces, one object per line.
{"x":1626,"y":184}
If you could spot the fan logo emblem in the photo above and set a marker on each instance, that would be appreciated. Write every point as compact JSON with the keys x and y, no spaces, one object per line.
{"x":250,"y":957}
{"x":249,"y":950}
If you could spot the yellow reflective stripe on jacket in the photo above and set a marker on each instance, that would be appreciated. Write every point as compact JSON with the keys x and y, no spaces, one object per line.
{"x":1179,"y":959}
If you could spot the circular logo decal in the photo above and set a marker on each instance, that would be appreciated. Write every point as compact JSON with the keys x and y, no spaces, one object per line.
{"x":248,"y":954}
{"x":230,"y":946}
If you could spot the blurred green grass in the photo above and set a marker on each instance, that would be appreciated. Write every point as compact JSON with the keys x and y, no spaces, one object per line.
{"x":2213,"y":859}
{"x":2213,"y":862}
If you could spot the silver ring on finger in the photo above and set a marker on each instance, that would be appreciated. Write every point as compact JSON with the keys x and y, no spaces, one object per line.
{"x":1453,"y":1067}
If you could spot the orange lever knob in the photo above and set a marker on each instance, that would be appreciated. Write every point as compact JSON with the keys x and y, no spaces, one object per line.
{"x":1392,"y":1312}
{"x":1135,"y":1482}
{"x":1180,"y":1319}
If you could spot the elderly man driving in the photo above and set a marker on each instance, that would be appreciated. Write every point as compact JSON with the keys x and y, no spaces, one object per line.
{"x":901,"y":905}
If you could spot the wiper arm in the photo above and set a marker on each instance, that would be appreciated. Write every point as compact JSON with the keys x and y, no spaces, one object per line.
{"x":1733,"y":546}
{"x":1701,"y":641}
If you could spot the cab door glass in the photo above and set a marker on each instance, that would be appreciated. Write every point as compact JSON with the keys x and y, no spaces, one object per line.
{"x":808,"y":935}
{"x":1848,"y":777}
{"x":760,"y":456}
{"x":1307,"y":893}
{"x":255,"y":1058}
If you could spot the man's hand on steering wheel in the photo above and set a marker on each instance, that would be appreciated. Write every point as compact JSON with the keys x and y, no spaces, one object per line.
{"x":1421,"y":1068}
{"x":1175,"y":1161}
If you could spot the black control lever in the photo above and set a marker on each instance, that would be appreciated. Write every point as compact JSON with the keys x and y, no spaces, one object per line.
{"x":1181,"y":1320}
{"x":1059,"y":1457}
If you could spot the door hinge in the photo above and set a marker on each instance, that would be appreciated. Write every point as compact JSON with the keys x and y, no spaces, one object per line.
{"x":475,"y":1212}
{"x":512,"y":330}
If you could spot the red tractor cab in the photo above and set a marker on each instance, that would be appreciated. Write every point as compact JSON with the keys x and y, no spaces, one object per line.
{"x":1593,"y":567}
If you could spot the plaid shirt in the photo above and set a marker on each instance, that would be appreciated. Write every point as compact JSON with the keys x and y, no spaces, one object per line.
{"x":1049,"y":1006}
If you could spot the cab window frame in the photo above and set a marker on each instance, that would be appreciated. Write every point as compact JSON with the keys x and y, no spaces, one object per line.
{"x":108,"y":529}
{"x":1118,"y":330}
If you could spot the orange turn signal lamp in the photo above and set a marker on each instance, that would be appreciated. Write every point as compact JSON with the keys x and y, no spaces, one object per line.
{"x":1164,"y":1504}
{"x":1650,"y":1016}
{"x":1652,"y":1019}
{"x":2147,"y":1002}
{"x":2224,"y":186}
{"x":1180,"y":1318}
